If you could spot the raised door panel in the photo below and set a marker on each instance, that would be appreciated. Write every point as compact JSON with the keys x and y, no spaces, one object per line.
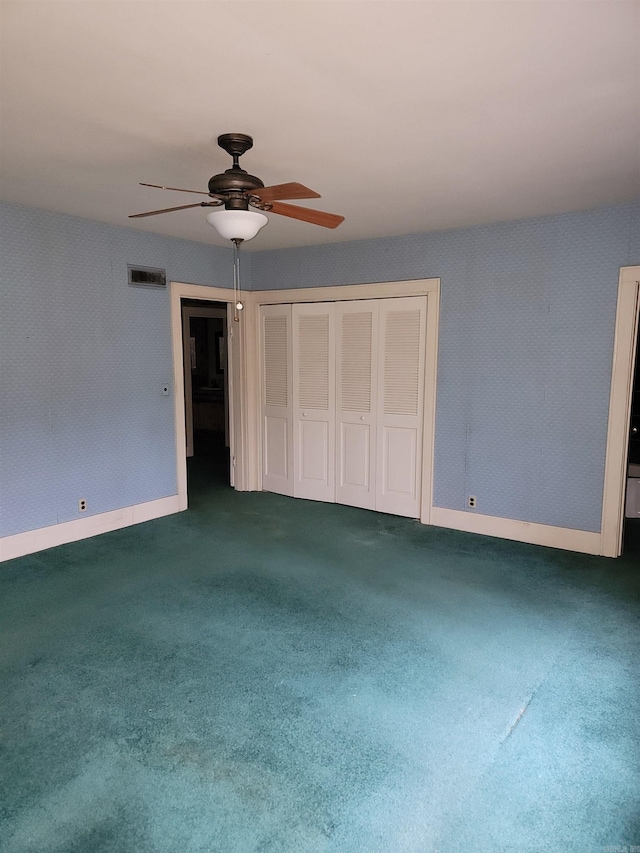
{"x":401,"y":352}
{"x":277,"y":439}
{"x":313,"y":443}
{"x":314,"y":401}
{"x":356,"y":337}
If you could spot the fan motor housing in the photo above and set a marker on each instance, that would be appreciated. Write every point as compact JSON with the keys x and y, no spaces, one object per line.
{"x":234,"y":180}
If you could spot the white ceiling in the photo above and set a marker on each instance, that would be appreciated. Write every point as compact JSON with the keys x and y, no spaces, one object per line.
{"x":405,"y":116}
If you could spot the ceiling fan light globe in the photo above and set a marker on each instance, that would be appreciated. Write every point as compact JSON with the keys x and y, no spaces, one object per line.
{"x":237,"y":224}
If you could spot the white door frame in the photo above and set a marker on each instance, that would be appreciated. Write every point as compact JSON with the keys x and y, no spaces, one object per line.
{"x":429,"y":287}
{"x":624,"y":352}
{"x":238,"y":402}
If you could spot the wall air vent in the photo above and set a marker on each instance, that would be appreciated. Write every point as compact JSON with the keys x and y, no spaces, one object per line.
{"x":146,"y":276}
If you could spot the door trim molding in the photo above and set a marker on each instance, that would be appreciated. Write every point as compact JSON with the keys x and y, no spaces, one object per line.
{"x":429,"y":287}
{"x":348,"y":292}
{"x":237,"y":384}
{"x":429,"y":403}
{"x":615,"y":469}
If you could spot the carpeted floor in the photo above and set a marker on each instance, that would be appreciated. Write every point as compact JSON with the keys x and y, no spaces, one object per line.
{"x":266,"y":674}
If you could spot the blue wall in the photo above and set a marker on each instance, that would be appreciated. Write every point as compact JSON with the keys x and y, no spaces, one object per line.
{"x":525,"y":351}
{"x":83,"y":357}
{"x":524,"y":365}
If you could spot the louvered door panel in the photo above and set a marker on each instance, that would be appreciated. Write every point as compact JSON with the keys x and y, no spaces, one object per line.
{"x":356,"y":338}
{"x":277,"y":438}
{"x":401,"y":362}
{"x":314,"y":401}
{"x":401,"y":353}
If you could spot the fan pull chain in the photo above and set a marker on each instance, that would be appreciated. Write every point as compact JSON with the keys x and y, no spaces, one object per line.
{"x":237,"y":291}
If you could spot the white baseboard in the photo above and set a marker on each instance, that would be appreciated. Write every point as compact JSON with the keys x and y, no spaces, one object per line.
{"x":31,"y":541}
{"x":521,"y":531}
{"x":21,"y":544}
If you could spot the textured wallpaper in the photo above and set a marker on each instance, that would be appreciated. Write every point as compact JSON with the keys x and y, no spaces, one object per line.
{"x":524,"y":364}
{"x":83,"y":357}
{"x":525,"y":351}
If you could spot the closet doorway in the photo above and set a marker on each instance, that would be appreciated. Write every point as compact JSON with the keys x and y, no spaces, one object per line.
{"x":347,"y":393}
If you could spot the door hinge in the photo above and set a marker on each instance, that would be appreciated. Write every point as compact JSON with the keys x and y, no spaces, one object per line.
{"x":233,"y":461}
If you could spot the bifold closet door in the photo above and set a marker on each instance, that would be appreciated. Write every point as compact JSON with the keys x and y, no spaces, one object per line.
{"x":400,"y":404}
{"x":356,"y":373}
{"x":314,"y":410}
{"x":343,"y":402}
{"x":277,"y":402}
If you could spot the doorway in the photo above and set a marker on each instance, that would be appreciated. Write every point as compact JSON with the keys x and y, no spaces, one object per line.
{"x":206,"y":393}
{"x":616,"y":474}
{"x":237,"y":380}
{"x":276,"y":413}
{"x":344,"y":399}
{"x":631,"y":534}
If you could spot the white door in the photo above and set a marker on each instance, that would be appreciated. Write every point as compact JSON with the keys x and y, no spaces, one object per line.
{"x":356,"y":372}
{"x":400,"y":404}
{"x":314,"y":401}
{"x":277,"y":436}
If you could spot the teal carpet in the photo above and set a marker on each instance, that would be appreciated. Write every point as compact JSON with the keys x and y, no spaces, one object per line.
{"x":266,"y":674}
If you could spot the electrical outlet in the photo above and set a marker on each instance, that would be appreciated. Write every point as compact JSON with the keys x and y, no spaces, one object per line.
{"x":82,"y":505}
{"x":165,"y":390}
{"x":471,"y":502}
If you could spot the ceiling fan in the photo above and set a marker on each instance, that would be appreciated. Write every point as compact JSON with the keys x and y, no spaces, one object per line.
{"x":237,"y":190}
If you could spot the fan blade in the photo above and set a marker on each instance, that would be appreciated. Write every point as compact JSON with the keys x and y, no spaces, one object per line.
{"x":169,"y":209}
{"x":307,"y":214}
{"x":175,"y":189}
{"x":278,"y":191}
